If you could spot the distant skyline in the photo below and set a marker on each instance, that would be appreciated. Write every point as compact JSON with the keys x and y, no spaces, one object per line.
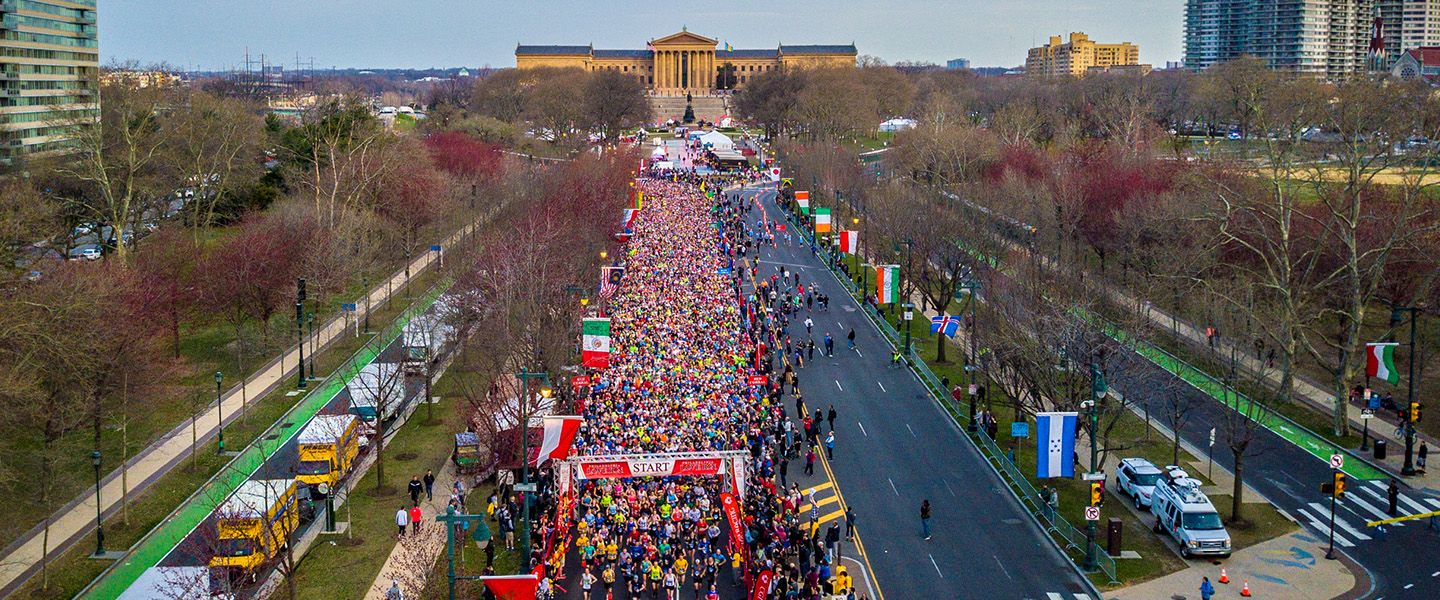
{"x":214,"y":34}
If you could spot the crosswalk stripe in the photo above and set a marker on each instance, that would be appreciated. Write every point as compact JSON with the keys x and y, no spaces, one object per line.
{"x":1434,"y":502}
{"x":1325,"y":529}
{"x":1054,"y":596}
{"x":1356,"y":500}
{"x":1419,"y":508}
{"x":1082,"y":597}
{"x":820,"y":502}
{"x":820,"y":488}
{"x":1339,"y":521}
{"x":831,"y":517}
{"x":1381,"y":498}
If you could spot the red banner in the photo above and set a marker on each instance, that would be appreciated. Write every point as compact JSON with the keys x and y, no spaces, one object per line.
{"x":758,"y":380}
{"x":653,"y":467}
{"x":581,"y":381}
{"x":512,"y":587}
{"x":762,"y":585}
{"x":737,"y":531}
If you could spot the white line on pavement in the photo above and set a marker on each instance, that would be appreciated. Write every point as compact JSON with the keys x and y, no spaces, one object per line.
{"x":862,"y":428}
{"x":937,"y":567}
{"x":1339,"y":521}
{"x":1054,"y":596}
{"x":837,"y":384}
{"x":882,"y":387}
{"x":912,"y":431}
{"x":1355,"y":498}
{"x":892,"y":486}
{"x":1002,"y":566}
{"x":948,"y":489}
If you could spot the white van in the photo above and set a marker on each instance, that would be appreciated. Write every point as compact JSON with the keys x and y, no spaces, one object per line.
{"x":1184,"y":512}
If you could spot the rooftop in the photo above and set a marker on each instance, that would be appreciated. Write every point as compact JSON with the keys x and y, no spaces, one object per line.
{"x":818,"y":49}
{"x":523,"y":49}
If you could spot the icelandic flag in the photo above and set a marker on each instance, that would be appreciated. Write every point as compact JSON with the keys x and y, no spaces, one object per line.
{"x":1055,"y":444}
{"x":945,"y":323}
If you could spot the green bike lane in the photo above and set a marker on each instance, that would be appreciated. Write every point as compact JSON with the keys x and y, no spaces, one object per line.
{"x":168,"y":535}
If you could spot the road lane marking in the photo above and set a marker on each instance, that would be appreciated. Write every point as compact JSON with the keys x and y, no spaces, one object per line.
{"x":1339,"y":522}
{"x":831,"y":517}
{"x":882,"y":387}
{"x":1325,"y":529}
{"x":1002,"y":567}
{"x":819,"y":502}
{"x":937,"y":567}
{"x":820,"y":488}
{"x":837,"y":384}
{"x":892,"y":487}
{"x":912,"y":431}
{"x":1355,"y":498}
{"x":862,"y":428}
{"x":947,"y":488}
{"x":1054,"y":596}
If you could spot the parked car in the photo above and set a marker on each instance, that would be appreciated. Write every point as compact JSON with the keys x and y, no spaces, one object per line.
{"x":1136,"y":478}
{"x":1186,"y":514}
{"x":87,"y":252}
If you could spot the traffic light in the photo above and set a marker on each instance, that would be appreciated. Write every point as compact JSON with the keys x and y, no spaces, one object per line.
{"x":1339,"y":486}
{"x":1097,"y":493}
{"x":1414,"y":412}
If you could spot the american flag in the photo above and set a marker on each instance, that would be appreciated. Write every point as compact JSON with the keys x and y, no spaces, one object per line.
{"x":610,"y":280}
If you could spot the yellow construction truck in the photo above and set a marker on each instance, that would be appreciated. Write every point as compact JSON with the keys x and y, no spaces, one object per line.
{"x":328,"y":447}
{"x":252,"y":526}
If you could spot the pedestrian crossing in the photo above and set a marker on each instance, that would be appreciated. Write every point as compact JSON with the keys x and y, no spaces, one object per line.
{"x":825,"y":508}
{"x":1364,"y":503}
{"x":1059,"y":596}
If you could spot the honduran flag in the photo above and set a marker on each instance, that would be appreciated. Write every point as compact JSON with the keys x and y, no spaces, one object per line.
{"x":595,"y":343}
{"x":1380,"y":361}
{"x":559,"y":435}
{"x":1055,"y":444}
{"x":849,"y":241}
{"x":887,"y":283}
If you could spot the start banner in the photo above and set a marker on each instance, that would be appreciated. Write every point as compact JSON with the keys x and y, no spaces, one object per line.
{"x":651,"y":467}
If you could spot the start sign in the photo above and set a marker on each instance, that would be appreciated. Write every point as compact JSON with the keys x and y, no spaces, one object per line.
{"x":581,"y":381}
{"x":755,"y":380}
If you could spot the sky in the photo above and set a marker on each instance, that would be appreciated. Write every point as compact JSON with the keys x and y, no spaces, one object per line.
{"x":214,"y":34}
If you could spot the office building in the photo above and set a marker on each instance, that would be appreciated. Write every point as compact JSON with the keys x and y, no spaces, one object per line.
{"x":1325,"y":38}
{"x":959,"y":63}
{"x":49,"y":73}
{"x":1077,"y":56}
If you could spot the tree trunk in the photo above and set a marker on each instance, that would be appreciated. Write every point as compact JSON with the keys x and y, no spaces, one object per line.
{"x":1238,"y":491}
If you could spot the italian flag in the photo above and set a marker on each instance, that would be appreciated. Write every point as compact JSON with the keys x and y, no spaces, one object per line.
{"x":595,"y":345}
{"x":822,"y":220}
{"x":1380,"y":361}
{"x":803,"y":199}
{"x":639,"y":200}
{"x":887,"y":283}
{"x":849,"y":241}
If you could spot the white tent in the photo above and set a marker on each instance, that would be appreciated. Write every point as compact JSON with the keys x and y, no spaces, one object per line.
{"x":717,"y":141}
{"x":897,"y":125}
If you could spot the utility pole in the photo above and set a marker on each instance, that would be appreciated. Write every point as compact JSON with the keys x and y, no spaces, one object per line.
{"x":300,"y":330}
{"x":1092,"y":414}
{"x":528,"y":488}
{"x":1409,"y":424}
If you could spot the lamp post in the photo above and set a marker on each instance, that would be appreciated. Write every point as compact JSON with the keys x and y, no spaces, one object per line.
{"x":525,"y":376}
{"x":971,"y":286}
{"x":310,"y":320}
{"x":909,"y":315}
{"x":1092,"y":414}
{"x":1396,"y":317}
{"x":99,"y":524}
{"x":365,"y":284}
{"x":300,"y":330}
{"x":407,"y":274}
{"x":856,"y":253}
{"x":218,"y":378}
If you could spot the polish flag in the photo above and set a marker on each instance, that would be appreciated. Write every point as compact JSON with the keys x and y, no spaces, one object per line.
{"x":559,"y":434}
{"x":849,"y":241}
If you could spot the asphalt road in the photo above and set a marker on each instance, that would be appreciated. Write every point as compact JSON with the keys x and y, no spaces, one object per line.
{"x":895,"y":447}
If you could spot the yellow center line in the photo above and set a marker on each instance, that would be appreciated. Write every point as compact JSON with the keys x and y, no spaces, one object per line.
{"x":859,"y":543}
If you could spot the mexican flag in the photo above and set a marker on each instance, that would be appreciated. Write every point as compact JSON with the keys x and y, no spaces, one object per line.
{"x":1380,"y":361}
{"x":822,"y":220}
{"x":887,"y":283}
{"x":849,"y":241}
{"x":803,"y":199}
{"x":595,"y":344}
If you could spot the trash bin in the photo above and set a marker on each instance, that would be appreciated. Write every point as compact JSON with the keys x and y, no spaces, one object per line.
{"x":1379,"y":449}
{"x":1112,"y":540}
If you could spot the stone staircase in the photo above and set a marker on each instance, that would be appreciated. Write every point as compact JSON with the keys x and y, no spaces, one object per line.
{"x":709,"y":108}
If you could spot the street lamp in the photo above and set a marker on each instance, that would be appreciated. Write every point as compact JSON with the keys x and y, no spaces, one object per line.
{"x":300,"y":330}
{"x":218,"y":378}
{"x":365,"y":287}
{"x":1409,"y":423}
{"x":99,"y":524}
{"x":310,"y":320}
{"x":1092,"y":414}
{"x":909,"y":315}
{"x":525,"y":376}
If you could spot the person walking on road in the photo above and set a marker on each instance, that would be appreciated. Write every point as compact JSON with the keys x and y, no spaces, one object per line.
{"x":415,"y":488}
{"x":829,"y":345}
{"x":925,"y":518}
{"x":849,"y":523}
{"x":810,"y":466}
{"x":429,"y":485}
{"x":1393,"y":494}
{"x":402,"y":519}
{"x":851,"y":337}
{"x":415,"y":517}
{"x":830,"y":445}
{"x":394,"y":592}
{"x":809,"y":324}
{"x":784,"y":468}
{"x":1206,"y":589}
{"x":831,"y":417}
{"x":1420,"y":457}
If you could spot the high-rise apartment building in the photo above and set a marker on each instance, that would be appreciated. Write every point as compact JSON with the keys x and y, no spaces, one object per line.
{"x":1407,"y":25}
{"x":1326,"y":38}
{"x":49,"y":72}
{"x":1078,"y":55}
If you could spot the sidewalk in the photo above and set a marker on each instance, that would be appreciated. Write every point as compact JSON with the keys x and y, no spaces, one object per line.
{"x":77,"y":519}
{"x":413,"y":559}
{"x":1291,"y":567}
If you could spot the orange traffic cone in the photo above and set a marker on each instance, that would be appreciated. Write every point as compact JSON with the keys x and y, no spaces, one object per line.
{"x":1224,"y":578}
{"x":1245,"y":591}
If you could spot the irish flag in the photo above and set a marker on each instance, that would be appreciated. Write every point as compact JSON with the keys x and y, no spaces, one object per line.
{"x":803,"y":199}
{"x":887,"y":283}
{"x":559,"y":435}
{"x":822,"y":220}
{"x":849,"y":241}
{"x":1380,"y":361}
{"x":595,"y":345}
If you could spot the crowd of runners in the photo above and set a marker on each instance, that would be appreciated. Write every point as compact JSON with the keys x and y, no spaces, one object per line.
{"x":687,"y":331}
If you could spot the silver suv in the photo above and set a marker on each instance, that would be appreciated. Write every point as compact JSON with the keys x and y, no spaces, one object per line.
{"x":1136,"y":478}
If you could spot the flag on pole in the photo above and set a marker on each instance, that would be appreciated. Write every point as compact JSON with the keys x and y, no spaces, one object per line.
{"x":849,"y":241}
{"x":946,"y":324}
{"x":595,"y":343}
{"x":559,"y":434}
{"x":512,"y":587}
{"x":802,"y":198}
{"x":639,"y":200}
{"x":822,"y":220}
{"x":610,"y":278}
{"x":1055,"y":444}
{"x":887,"y":283}
{"x":1380,"y":361}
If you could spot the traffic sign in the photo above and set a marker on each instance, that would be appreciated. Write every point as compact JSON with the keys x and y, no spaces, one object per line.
{"x":1092,"y":513}
{"x":909,"y":316}
{"x":1212,"y":436}
{"x":1096,"y":476}
{"x":1337,"y":461}
{"x":1019,"y":430}
{"x":435,"y":248}
{"x":974,"y":389}
{"x":524,"y":487}
{"x":1366,"y":413}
